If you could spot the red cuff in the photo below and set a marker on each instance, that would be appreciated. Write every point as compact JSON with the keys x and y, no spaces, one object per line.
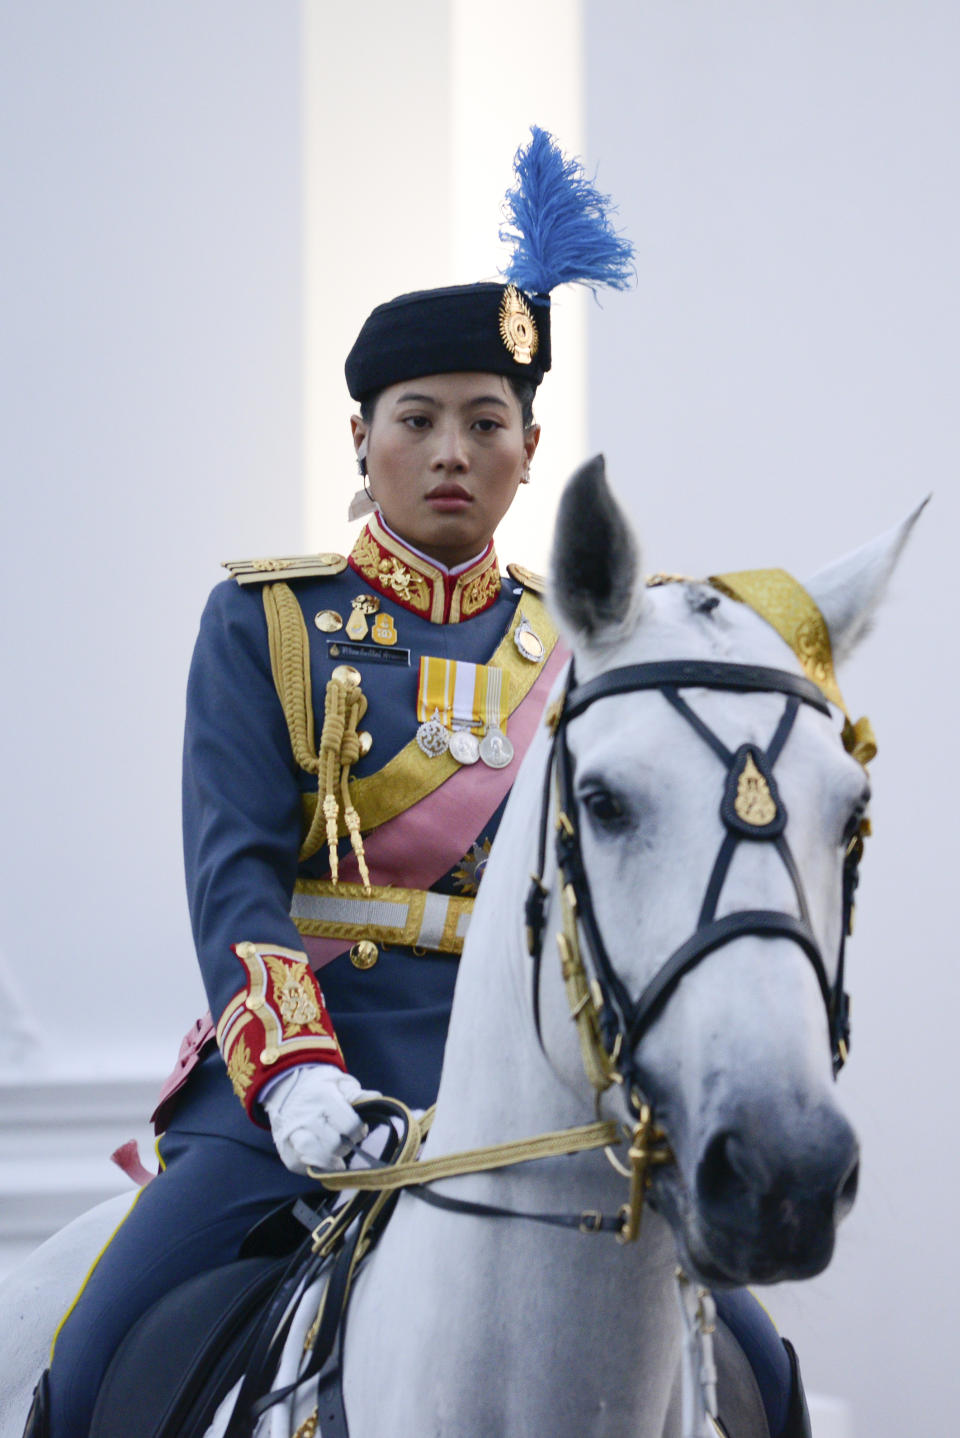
{"x":276,"y":1021}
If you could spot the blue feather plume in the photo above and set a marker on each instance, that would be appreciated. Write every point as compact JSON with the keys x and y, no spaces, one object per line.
{"x":559,"y":224}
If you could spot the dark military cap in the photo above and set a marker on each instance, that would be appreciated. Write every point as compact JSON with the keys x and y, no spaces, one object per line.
{"x":487,"y":328}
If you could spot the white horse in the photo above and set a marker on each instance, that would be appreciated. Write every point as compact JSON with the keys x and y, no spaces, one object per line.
{"x":728,"y":1026}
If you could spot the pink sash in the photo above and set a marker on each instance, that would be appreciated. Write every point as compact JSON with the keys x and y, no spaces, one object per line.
{"x":420,"y":845}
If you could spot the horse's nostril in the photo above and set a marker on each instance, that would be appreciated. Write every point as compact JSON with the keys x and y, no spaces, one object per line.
{"x":726,"y":1172}
{"x":848,"y":1189}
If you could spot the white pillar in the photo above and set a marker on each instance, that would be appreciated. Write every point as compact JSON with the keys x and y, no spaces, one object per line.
{"x":408,"y":148}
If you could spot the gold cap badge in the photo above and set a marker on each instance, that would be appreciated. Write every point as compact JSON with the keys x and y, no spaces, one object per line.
{"x":518,"y":328}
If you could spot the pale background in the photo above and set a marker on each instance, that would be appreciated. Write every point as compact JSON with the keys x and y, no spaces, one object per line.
{"x":200,"y":202}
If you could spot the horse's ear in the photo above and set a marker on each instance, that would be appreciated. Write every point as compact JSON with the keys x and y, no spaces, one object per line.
{"x":848,"y":592}
{"x":596,"y":587}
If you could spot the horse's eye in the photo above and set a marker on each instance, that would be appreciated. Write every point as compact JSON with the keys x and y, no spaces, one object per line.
{"x":604,"y":808}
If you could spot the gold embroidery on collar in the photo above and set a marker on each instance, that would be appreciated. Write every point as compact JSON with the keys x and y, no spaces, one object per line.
{"x":477,"y":593}
{"x":390,"y":573}
{"x":395,"y":570}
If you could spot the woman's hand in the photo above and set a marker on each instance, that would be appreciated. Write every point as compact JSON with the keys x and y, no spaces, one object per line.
{"x":311,"y":1116}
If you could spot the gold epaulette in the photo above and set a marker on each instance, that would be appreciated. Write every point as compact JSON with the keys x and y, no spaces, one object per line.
{"x":536,"y":583}
{"x":303,"y":566}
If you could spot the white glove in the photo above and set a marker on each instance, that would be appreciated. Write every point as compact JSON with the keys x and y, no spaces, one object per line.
{"x":311,"y":1116}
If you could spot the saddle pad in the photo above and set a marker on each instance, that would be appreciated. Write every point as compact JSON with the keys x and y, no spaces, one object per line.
{"x":742,"y":1414}
{"x":185,"y":1353}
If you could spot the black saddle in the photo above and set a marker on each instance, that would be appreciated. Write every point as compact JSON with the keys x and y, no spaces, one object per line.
{"x":186,"y":1352}
{"x":183,"y":1356}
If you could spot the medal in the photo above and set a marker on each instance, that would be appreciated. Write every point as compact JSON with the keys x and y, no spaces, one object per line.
{"x":496,"y":751}
{"x":464,"y":746}
{"x":528,"y":642}
{"x":462,"y":702}
{"x":328,"y":620}
{"x":364,"y":604}
{"x":432,"y":737}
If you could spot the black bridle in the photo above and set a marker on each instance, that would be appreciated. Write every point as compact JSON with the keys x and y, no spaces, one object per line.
{"x":621,"y":1020}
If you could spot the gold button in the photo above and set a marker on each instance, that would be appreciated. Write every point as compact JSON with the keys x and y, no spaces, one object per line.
{"x":269,"y":1056}
{"x":328,"y":620}
{"x":255,"y":1001}
{"x":364,"y":955}
{"x":365,"y":740}
{"x":347,"y":674}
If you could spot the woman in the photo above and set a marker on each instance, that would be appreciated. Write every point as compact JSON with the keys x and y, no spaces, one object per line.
{"x":353,"y":728}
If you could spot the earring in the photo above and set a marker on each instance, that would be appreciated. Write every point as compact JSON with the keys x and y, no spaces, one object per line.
{"x":525,"y":474}
{"x":363,"y":501}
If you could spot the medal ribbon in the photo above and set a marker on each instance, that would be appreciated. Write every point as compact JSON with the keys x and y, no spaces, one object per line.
{"x":462,"y":695}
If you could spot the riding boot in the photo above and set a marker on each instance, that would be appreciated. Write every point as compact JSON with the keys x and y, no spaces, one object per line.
{"x":38,"y":1419}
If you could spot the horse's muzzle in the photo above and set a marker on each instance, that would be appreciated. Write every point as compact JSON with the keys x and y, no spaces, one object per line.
{"x":767,"y":1202}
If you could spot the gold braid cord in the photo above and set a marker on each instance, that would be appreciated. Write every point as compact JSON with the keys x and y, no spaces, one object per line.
{"x":344,"y":707}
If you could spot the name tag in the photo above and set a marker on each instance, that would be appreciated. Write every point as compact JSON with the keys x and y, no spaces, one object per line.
{"x":341,"y":652}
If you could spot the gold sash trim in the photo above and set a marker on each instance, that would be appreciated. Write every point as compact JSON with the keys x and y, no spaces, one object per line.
{"x":410,"y":775}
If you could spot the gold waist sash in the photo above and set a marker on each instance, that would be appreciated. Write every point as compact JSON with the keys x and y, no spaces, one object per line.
{"x":387,"y":915}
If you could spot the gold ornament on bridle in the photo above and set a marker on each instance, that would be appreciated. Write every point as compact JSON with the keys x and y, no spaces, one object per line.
{"x":754,"y":803}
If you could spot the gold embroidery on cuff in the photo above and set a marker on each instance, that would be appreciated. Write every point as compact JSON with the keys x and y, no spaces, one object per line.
{"x":295,"y":994}
{"x":240,"y":1068}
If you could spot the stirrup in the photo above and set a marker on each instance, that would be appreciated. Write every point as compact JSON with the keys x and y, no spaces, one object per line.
{"x":38,"y":1419}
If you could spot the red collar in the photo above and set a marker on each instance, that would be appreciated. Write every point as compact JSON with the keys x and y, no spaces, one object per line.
{"x":411,"y":581}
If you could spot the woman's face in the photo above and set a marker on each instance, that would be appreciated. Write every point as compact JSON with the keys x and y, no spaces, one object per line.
{"x":444,"y":457}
